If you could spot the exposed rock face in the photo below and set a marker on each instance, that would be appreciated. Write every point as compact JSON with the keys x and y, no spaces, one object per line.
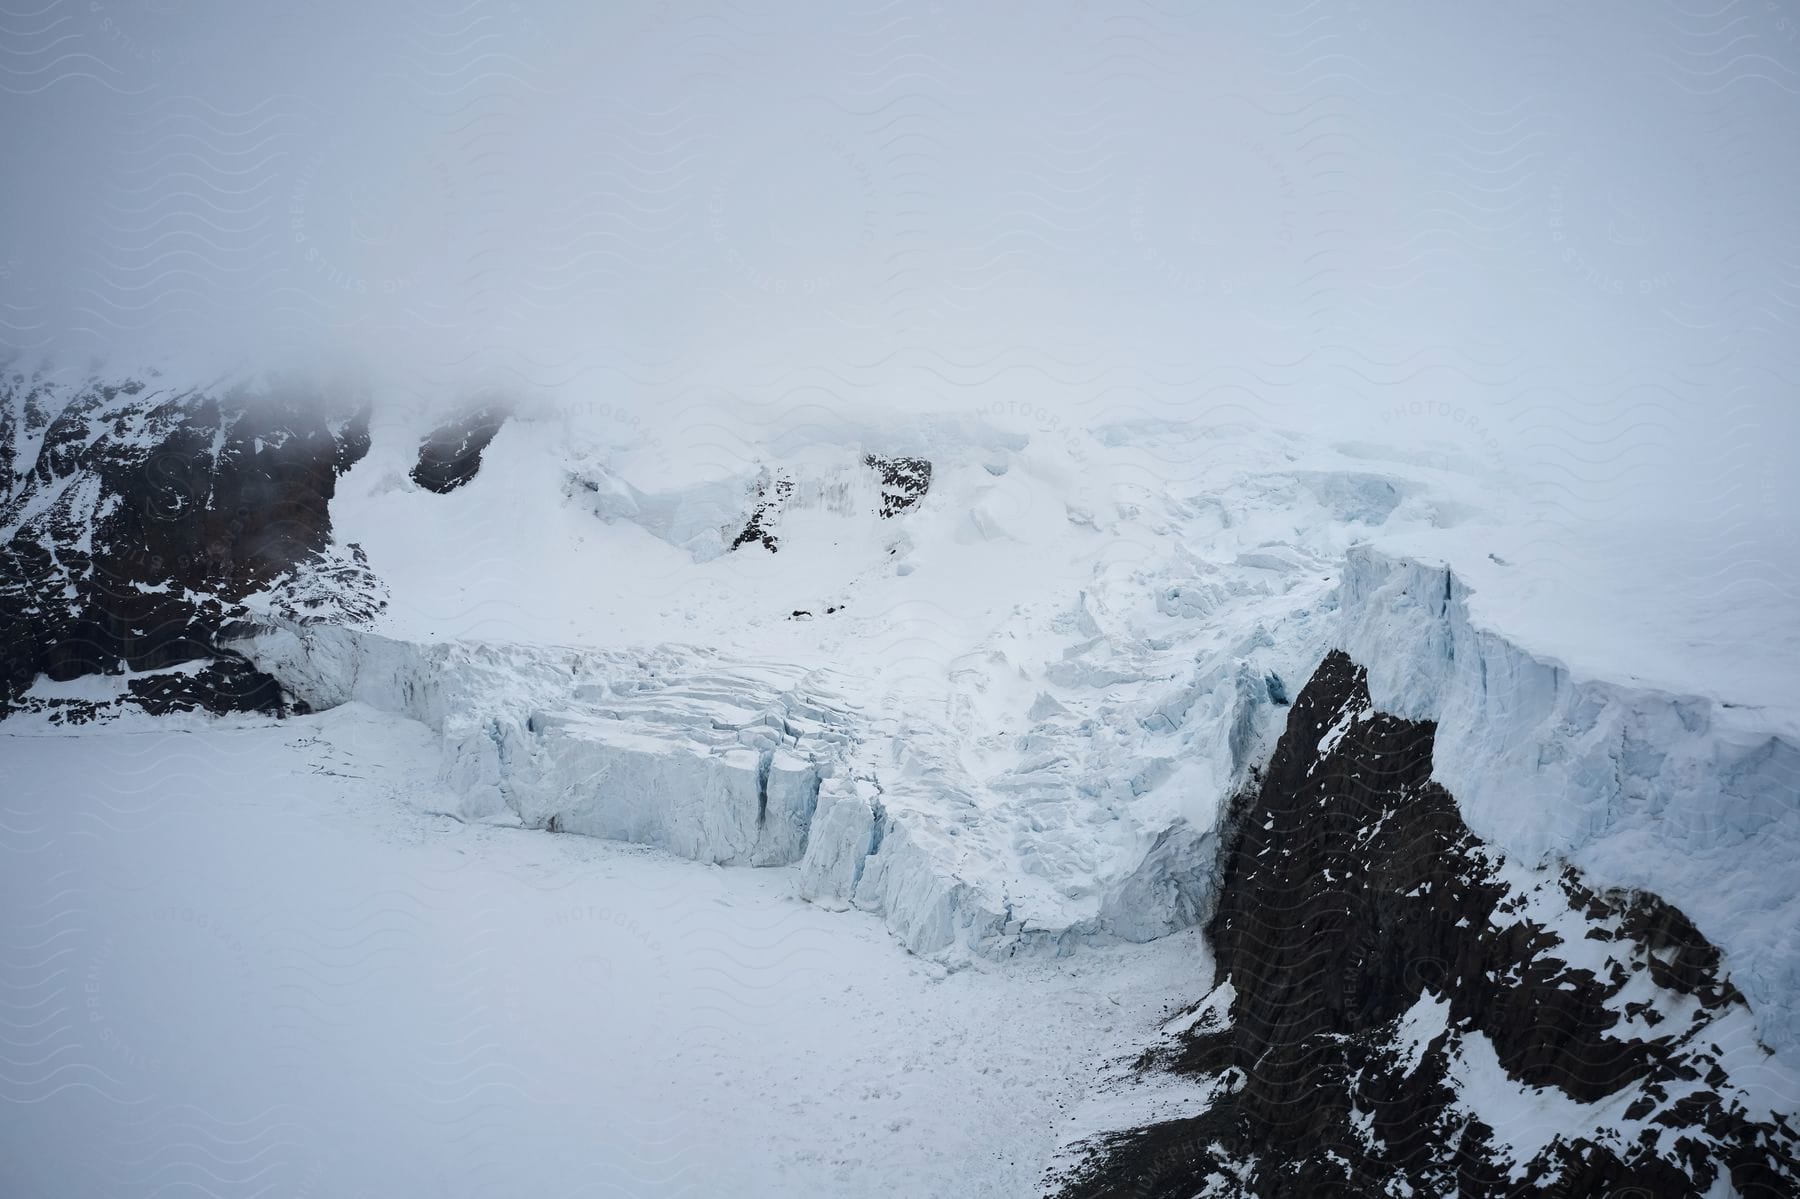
{"x":771,"y":494}
{"x":1401,"y":1011}
{"x":451,"y":455}
{"x":136,"y":519}
{"x":904,"y":481}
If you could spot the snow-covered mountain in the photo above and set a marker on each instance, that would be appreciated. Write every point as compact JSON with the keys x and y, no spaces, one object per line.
{"x":1491,"y":913}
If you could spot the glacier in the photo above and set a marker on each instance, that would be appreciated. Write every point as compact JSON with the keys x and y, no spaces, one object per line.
{"x":737,"y":763}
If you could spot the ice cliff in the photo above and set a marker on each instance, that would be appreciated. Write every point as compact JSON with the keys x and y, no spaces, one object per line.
{"x":1684,"y":796}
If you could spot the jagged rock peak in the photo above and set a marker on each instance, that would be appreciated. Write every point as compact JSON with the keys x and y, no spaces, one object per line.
{"x":1401,"y":1010}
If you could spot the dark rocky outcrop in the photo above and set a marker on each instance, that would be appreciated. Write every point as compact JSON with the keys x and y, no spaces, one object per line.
{"x":760,"y":528}
{"x":1399,"y":1010}
{"x":904,"y":481}
{"x":137,"y":517}
{"x":451,"y":455}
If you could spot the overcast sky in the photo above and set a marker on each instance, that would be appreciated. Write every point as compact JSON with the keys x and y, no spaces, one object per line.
{"x":1570,"y":226}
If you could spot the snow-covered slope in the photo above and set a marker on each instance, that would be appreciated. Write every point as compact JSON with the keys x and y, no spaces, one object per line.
{"x":1045,"y":677}
{"x":1043,"y":680}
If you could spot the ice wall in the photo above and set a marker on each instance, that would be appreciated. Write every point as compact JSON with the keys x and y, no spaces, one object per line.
{"x":667,"y":748}
{"x":752,"y":765}
{"x":1679,"y":795}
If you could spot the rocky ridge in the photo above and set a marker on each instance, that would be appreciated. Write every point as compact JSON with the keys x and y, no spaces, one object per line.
{"x":1401,"y":1010}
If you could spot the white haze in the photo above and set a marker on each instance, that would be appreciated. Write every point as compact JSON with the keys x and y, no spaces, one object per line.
{"x":1553,"y":239}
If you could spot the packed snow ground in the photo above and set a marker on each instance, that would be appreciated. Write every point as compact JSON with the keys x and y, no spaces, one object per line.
{"x":259,"y":959}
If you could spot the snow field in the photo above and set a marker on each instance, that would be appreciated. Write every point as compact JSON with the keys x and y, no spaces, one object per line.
{"x":251,"y":956}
